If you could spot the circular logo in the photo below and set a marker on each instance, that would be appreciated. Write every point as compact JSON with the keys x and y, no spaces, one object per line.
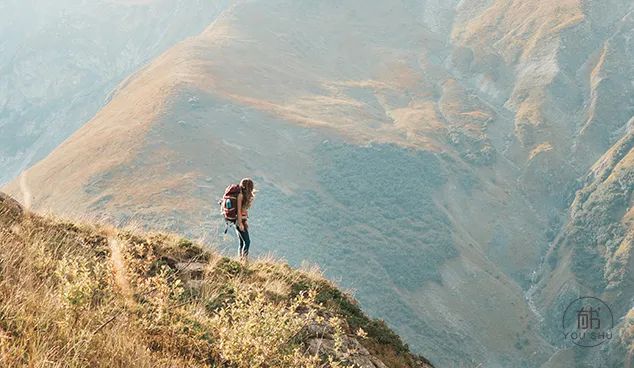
{"x":587,"y":322}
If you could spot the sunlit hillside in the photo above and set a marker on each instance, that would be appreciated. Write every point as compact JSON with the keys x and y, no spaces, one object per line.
{"x":60,"y":61}
{"x":88,"y":295}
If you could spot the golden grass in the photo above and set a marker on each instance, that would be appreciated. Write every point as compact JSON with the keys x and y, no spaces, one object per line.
{"x":518,"y":28}
{"x":539,"y":149}
{"x":89,"y":295}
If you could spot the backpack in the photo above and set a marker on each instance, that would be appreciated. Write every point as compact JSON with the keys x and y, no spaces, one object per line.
{"x":229,"y":203}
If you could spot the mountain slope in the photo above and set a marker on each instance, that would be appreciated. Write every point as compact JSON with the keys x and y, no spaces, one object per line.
{"x":592,"y":255}
{"x":61,"y":60}
{"x":90,"y":295}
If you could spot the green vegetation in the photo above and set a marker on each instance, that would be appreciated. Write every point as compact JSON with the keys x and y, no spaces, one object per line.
{"x":596,"y":229}
{"x":391,"y":190}
{"x":333,"y":299}
{"x":597,"y":240}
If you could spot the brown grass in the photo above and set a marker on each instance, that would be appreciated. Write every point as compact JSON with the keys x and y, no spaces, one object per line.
{"x":517,"y":28}
{"x":87,"y":295}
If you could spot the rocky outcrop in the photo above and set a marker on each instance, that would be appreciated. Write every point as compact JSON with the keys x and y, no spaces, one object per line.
{"x":594,"y":252}
{"x":321,"y":339}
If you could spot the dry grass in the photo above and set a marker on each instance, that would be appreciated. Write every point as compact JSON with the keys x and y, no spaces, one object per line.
{"x":86,"y":295}
{"x":517,"y":28}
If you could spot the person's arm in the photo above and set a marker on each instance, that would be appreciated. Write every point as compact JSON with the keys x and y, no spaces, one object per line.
{"x":240,"y":223}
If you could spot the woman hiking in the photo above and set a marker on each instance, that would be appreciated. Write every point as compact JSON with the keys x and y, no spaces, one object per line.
{"x":245,"y":199}
{"x":235,"y":205}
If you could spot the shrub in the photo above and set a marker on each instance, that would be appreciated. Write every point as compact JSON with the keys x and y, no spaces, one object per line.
{"x":78,"y":283}
{"x":253,"y":333}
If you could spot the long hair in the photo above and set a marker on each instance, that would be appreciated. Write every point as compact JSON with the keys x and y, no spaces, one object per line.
{"x":248,"y":192}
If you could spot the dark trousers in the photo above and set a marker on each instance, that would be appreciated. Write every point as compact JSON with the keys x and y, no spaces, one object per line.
{"x":245,"y":241}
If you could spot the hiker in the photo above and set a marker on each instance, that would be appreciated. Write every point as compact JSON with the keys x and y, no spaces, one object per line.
{"x":235,"y":207}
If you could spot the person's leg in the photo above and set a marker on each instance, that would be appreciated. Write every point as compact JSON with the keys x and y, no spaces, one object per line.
{"x":247,"y":242}
{"x":241,"y":238}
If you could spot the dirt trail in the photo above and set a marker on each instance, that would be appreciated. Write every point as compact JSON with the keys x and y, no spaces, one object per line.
{"x":119,"y":269}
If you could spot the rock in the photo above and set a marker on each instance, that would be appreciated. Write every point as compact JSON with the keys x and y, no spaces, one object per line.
{"x":378,"y":363}
{"x":191,"y":273}
{"x":191,"y":267}
{"x":351,"y":351}
{"x":318,"y":330}
{"x":320,"y":346}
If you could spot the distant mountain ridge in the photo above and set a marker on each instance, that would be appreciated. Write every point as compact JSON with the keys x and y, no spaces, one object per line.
{"x":60,"y":60}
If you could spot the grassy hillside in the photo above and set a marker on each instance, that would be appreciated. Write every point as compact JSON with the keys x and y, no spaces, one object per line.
{"x":87,"y":295}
